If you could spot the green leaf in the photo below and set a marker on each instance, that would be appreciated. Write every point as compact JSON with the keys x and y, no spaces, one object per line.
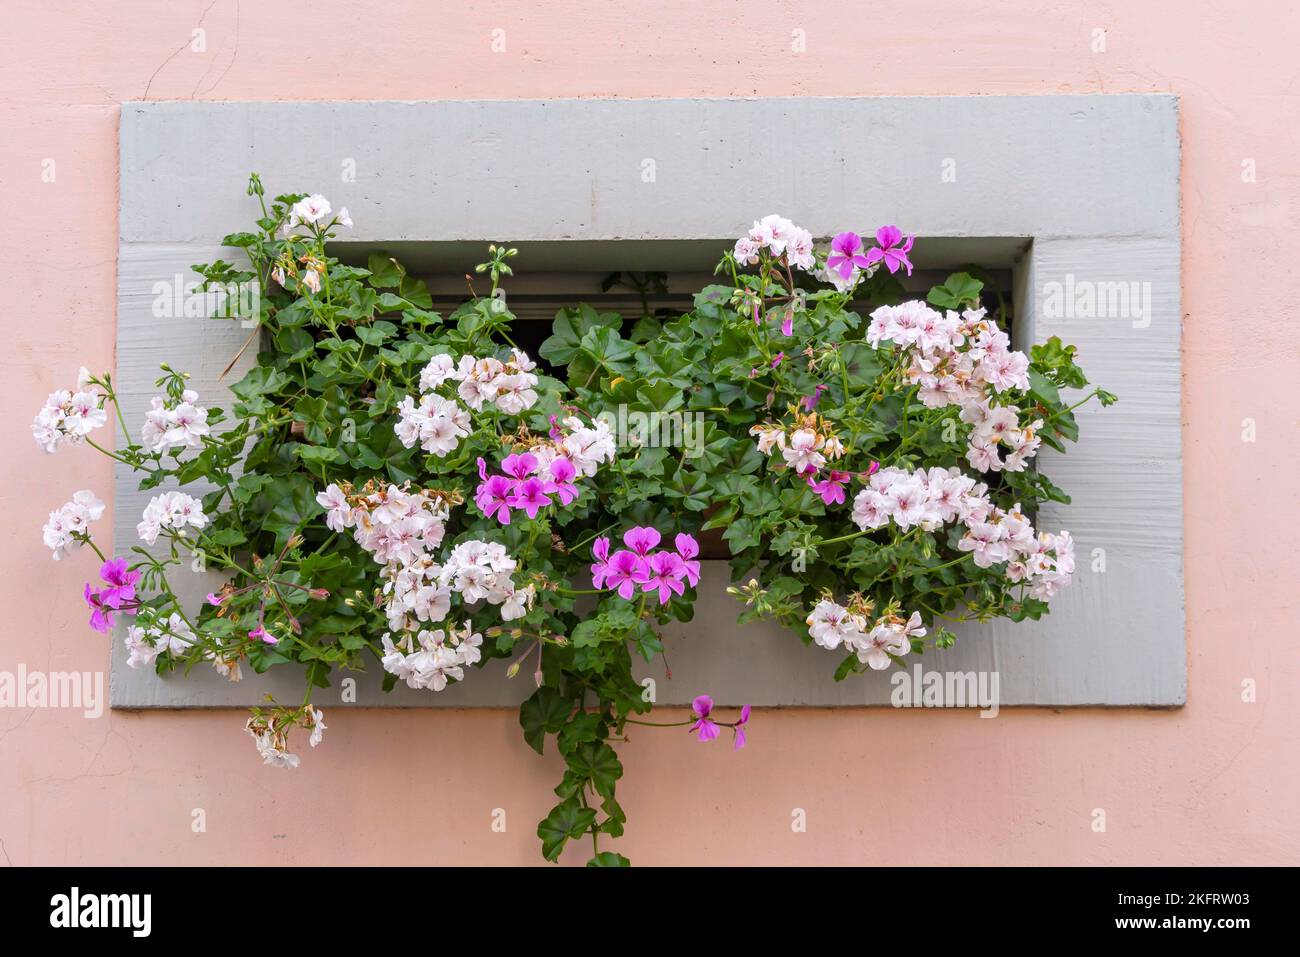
{"x":376,"y":333}
{"x":569,"y":328}
{"x":546,"y":711}
{"x":609,"y":859}
{"x":385,"y":271}
{"x":957,"y":290}
{"x":598,"y":763}
{"x":567,"y":819}
{"x":1040,"y":388}
{"x":846,"y":668}
{"x":862,"y":365}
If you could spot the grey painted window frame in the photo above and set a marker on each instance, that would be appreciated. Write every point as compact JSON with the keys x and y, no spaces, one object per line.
{"x":1087,"y":186}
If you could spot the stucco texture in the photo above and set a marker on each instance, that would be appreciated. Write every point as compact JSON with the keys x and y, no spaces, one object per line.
{"x":1215,"y":782}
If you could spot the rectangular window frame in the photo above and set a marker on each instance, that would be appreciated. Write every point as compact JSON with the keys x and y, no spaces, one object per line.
{"x":1081,"y":189}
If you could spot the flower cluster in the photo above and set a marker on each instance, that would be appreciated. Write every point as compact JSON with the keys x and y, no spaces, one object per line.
{"x":524,"y":486}
{"x":931,"y":498}
{"x":640,"y":566}
{"x":806,"y":445}
{"x":780,"y":237}
{"x":173,"y":424}
{"x":925,"y":498}
{"x":314,"y":211}
{"x":875,"y":639}
{"x":311,"y":214}
{"x":146,"y":640}
{"x":964,"y":359}
{"x":509,"y":385}
{"x":174,"y":510}
{"x":995,"y":426}
{"x":1045,"y":562}
{"x":848,"y":260}
{"x":401,"y":529}
{"x":427,"y":659}
{"x":68,"y":416}
{"x":394,"y":524}
{"x":69,"y":524}
{"x":437,"y":423}
{"x":270,"y":732}
{"x":531,"y":479}
{"x":483,"y":571}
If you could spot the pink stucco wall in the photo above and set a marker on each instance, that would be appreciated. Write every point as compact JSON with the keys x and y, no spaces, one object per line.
{"x":1216,"y":782}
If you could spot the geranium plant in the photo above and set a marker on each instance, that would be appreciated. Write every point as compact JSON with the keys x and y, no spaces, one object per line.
{"x":400,"y":490}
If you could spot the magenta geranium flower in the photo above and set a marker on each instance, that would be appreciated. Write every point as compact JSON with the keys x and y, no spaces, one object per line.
{"x":121,"y":583}
{"x":101,"y":616}
{"x":831,"y":488}
{"x":739,"y":728}
{"x":119,"y":595}
{"x":600,"y":569}
{"x":702,"y":707}
{"x":519,"y":466}
{"x":787,"y":324}
{"x":688,"y":548}
{"x":622,"y":571}
{"x":641,"y":539}
{"x":561,"y":484}
{"x":663,"y":572}
{"x":530,"y":496}
{"x":846,"y":252}
{"x":493,"y":498}
{"x":261,"y":633}
{"x":893,"y":249}
{"x":810,"y":401}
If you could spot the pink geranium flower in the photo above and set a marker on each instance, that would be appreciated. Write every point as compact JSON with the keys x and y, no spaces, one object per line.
{"x":831,"y":488}
{"x":101,"y":616}
{"x":561,"y":484}
{"x":493,"y":498}
{"x":688,"y":548}
{"x":600,"y":569}
{"x":846,"y":252}
{"x":663,"y":572}
{"x":264,"y":635}
{"x":739,"y":728}
{"x":641,"y":539}
{"x":519,"y":466}
{"x":121,"y":582}
{"x":893,"y":249}
{"x":810,"y":401}
{"x":530,"y":496}
{"x":622,"y":571}
{"x":119,"y":595}
{"x":702,"y":707}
